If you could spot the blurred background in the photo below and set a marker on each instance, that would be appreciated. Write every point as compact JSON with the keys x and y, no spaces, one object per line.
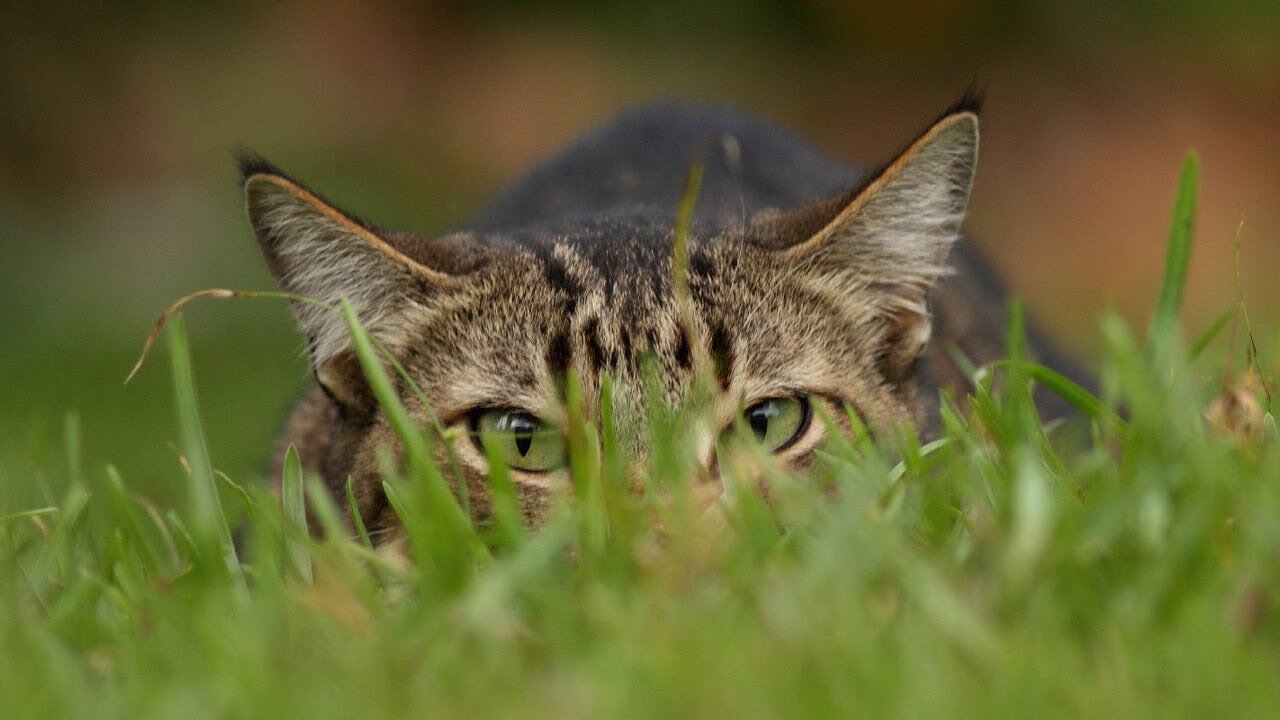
{"x":118,"y":193}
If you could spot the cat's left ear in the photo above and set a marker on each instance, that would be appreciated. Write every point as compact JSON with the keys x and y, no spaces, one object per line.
{"x":886,"y":242}
{"x":324,"y":256}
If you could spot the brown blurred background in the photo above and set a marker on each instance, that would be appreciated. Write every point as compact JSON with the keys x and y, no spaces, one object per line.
{"x":118,"y":193}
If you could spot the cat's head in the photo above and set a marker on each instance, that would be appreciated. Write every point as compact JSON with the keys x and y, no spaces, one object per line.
{"x":820,"y":309}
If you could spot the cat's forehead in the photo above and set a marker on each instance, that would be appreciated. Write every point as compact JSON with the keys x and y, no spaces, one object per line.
{"x":612,"y":245}
{"x":628,"y":259}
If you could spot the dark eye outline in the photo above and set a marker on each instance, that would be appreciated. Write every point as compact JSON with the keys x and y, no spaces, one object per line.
{"x":806,"y":417}
{"x":473,"y":430}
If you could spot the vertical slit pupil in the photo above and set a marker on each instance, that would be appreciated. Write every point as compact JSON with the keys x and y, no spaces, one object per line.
{"x":522,"y":428}
{"x":759,"y":422}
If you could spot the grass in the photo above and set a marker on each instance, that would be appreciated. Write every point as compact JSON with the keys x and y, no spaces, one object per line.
{"x":1009,"y":568}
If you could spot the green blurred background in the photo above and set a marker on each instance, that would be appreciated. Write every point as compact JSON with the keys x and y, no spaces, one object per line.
{"x":118,"y":193}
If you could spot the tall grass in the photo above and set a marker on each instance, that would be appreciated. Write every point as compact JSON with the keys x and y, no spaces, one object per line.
{"x":1009,"y":568}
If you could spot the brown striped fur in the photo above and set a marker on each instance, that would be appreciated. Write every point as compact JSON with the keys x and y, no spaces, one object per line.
{"x":805,"y":276}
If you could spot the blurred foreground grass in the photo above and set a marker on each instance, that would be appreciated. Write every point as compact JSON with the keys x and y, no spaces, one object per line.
{"x":1006,"y":570}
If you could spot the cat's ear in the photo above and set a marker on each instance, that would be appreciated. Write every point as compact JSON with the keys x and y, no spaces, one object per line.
{"x":888,"y":240}
{"x":316,"y":251}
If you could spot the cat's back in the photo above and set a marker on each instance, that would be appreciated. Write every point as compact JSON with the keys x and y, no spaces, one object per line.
{"x":643,"y":157}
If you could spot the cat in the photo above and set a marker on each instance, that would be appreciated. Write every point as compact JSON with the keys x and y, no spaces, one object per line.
{"x":810,"y":286}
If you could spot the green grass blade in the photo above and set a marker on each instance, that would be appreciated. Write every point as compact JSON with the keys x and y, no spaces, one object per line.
{"x":1207,"y":337}
{"x":293,"y":500}
{"x":680,"y":245}
{"x":208,"y":523}
{"x":508,"y":524}
{"x":584,"y":466}
{"x":1255,"y":359}
{"x":322,"y":511}
{"x":55,"y":557}
{"x":1064,"y":387}
{"x":447,"y":534}
{"x":127,"y":521}
{"x":1178,"y":251}
{"x":26,"y":514}
{"x":433,"y":420}
{"x":354,"y":509}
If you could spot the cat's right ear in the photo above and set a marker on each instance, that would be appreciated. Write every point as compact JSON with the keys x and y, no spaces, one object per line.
{"x":886,"y":241}
{"x":316,"y":251}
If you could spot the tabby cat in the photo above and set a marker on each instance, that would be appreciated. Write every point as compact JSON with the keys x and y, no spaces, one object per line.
{"x":810,"y":285}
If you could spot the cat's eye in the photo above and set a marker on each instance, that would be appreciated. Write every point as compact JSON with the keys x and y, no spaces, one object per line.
{"x":776,"y":423}
{"x":521,"y":440}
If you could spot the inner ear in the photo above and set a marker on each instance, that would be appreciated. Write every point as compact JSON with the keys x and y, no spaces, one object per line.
{"x":907,"y":334}
{"x":343,"y":381}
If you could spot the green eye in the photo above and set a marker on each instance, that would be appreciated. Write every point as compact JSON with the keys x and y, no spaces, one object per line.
{"x":778,"y":422}
{"x":523,"y":441}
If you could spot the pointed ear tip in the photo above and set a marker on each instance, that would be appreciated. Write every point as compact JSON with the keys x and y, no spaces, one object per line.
{"x":261,"y":183}
{"x":259,"y":187}
{"x":971,"y":101}
{"x":966,"y":118}
{"x":960,"y":128}
{"x":963,"y":112}
{"x":252,"y":165}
